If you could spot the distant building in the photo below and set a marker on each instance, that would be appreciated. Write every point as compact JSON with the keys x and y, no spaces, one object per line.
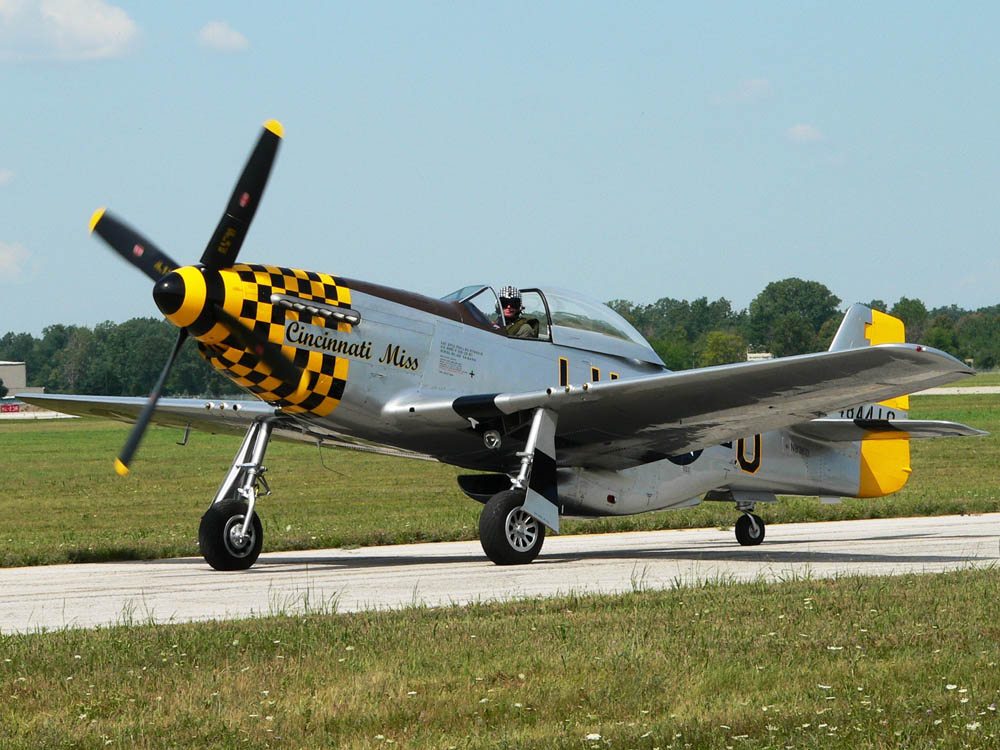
{"x":15,"y":378}
{"x":758,"y":356}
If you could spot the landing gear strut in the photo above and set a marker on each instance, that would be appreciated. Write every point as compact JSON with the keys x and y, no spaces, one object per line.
{"x":230,"y":535}
{"x":512,"y":525}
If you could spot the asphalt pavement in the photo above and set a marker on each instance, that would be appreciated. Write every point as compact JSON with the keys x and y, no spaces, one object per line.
{"x":442,"y":574}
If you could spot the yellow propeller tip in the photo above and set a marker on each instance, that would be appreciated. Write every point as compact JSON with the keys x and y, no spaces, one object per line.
{"x":120,"y":468}
{"x":96,"y":217}
{"x":275,"y":127}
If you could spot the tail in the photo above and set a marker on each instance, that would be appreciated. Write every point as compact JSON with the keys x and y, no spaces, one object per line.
{"x":885,"y":455}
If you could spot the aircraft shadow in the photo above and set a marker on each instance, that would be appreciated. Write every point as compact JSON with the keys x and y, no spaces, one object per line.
{"x":769,"y":552}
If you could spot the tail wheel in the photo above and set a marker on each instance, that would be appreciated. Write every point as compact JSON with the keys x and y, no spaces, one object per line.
{"x":220,"y":539}
{"x":509,"y":535}
{"x":749,"y":530}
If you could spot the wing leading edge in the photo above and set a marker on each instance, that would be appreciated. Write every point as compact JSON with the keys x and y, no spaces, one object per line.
{"x":207,"y":415}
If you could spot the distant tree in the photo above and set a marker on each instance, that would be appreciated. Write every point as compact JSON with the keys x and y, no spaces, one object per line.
{"x":17,"y":347}
{"x":673,"y":326}
{"x":940,"y":338}
{"x":74,"y":359}
{"x":790,"y":334}
{"x":877,"y":304}
{"x":676,"y":353}
{"x":787,"y":315}
{"x":49,"y":354}
{"x":826,"y":333}
{"x":953,"y":312}
{"x":979,"y":340}
{"x":913,"y":313}
{"x":721,"y":348}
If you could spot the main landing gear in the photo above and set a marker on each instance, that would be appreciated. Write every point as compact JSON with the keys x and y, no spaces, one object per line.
{"x":749,"y":526}
{"x":512,"y":524}
{"x":230,"y":535}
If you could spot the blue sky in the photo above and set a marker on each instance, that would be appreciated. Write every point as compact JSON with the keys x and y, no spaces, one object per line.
{"x":624,"y":150}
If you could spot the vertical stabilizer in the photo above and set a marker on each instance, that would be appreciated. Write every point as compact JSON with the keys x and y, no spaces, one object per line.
{"x":885,"y":456}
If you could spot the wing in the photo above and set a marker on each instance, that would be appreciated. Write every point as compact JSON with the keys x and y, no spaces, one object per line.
{"x":624,"y":423}
{"x":208,"y":415}
{"x":849,"y":430}
{"x":218,"y":415}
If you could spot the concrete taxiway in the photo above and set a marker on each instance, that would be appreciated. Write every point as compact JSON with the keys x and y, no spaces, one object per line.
{"x":186,"y":589}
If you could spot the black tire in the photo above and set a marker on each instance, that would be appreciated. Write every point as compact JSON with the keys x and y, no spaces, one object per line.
{"x":745,"y":532}
{"x":215,"y":537}
{"x":509,"y":535}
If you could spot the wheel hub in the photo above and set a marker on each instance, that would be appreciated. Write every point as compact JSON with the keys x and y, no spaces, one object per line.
{"x":522,"y":530}
{"x":238,"y":544}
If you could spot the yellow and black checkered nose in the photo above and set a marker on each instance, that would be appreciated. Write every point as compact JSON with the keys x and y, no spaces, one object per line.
{"x":181,"y":295}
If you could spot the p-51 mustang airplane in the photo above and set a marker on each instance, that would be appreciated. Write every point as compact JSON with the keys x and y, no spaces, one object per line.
{"x":579,"y":417}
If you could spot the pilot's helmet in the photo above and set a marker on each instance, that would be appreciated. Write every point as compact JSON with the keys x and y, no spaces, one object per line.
{"x":510,"y":295}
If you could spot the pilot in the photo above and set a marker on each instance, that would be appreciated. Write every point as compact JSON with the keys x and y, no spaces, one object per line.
{"x":515,"y":325}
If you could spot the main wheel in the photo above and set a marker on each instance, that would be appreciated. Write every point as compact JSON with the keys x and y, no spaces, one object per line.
{"x":749,"y":530}
{"x":509,"y":535}
{"x":219,"y":536}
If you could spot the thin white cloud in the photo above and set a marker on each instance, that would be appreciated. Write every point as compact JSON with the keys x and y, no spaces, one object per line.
{"x":220,"y":36}
{"x":754,"y":89}
{"x":13,"y":263}
{"x":64,"y":30}
{"x":803,"y":133}
{"x":6,"y":176}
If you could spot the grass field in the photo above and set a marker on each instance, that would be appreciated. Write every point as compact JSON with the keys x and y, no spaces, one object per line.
{"x":982,"y":379}
{"x":61,"y":501}
{"x":874,"y":663}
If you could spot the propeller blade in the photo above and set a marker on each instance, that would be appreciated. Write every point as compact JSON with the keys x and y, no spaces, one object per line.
{"x":269,"y":353}
{"x":225,"y":244}
{"x":131,"y":245}
{"x":125,"y":456}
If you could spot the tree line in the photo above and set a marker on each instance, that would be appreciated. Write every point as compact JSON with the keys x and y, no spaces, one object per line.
{"x":112,"y":359}
{"x":791,"y":316}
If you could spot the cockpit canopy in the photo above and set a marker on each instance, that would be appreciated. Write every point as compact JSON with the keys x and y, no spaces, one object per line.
{"x":564,"y":317}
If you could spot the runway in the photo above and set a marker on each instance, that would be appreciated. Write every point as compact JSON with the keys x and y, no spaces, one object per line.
{"x":186,"y":589}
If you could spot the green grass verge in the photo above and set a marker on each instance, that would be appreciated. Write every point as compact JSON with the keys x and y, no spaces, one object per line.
{"x":982,"y":379}
{"x":857,"y":662}
{"x":60,"y":500}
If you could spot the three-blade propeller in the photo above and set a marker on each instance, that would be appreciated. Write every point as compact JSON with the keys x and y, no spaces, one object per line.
{"x":221,"y":252}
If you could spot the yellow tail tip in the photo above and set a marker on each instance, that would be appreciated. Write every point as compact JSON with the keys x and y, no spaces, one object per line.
{"x":275,"y":127}
{"x":120,"y":468}
{"x":96,"y":217}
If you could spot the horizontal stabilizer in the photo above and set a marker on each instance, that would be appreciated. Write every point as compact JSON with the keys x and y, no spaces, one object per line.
{"x":850,"y":430}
